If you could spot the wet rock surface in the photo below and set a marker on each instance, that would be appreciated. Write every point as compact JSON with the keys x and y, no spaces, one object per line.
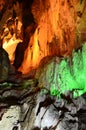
{"x":17,"y":107}
{"x":60,"y":115}
{"x":10,"y":118}
{"x":44,"y":112}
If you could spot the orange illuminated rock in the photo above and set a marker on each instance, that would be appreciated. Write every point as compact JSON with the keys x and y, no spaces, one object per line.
{"x":55,"y":32}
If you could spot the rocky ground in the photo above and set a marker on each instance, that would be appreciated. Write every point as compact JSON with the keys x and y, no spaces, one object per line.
{"x":49,"y":113}
{"x":60,"y":114}
{"x":25,"y":105}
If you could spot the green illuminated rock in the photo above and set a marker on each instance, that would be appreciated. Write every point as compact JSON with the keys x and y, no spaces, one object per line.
{"x":66,"y":75}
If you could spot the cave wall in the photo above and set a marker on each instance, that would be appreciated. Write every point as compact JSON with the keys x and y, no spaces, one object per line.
{"x":59,"y":30}
{"x":48,"y":28}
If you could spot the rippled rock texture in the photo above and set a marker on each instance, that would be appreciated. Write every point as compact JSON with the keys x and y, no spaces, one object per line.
{"x":59,"y":114}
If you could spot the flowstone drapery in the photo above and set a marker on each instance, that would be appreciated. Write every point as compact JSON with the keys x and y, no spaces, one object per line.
{"x":68,"y":74}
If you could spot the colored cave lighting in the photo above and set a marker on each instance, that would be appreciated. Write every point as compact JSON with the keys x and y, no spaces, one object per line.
{"x":71,"y":75}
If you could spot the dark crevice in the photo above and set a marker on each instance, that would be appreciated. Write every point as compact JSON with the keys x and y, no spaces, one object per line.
{"x":28,"y":29}
{"x":2,"y":13}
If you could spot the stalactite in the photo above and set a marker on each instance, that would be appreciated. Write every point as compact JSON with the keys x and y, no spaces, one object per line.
{"x":56,"y":24}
